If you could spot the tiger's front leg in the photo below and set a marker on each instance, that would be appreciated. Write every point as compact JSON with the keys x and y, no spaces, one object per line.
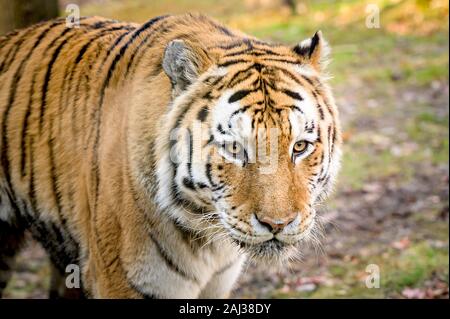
{"x":104,"y":275}
{"x":222,"y":282}
{"x":146,"y":275}
{"x":129,"y":258}
{"x":142,"y":259}
{"x":103,"y":281}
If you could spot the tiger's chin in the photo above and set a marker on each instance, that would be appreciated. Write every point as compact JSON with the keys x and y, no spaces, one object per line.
{"x":272,"y":252}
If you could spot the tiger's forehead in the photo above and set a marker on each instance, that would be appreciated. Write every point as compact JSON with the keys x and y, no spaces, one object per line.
{"x":243,"y":113}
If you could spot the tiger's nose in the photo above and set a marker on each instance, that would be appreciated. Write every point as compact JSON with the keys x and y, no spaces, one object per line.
{"x":275,"y":225}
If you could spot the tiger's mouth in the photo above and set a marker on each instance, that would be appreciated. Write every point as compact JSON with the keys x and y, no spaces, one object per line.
{"x":270,"y":251}
{"x":273,"y":244}
{"x":269,"y":247}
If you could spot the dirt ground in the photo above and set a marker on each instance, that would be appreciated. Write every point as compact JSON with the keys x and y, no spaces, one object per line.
{"x":391,"y":204}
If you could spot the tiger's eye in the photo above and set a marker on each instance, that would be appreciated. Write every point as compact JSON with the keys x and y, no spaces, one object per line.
{"x":233,"y":148}
{"x":300,"y":147}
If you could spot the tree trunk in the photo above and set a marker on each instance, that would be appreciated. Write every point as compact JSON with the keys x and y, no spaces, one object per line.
{"x":292,"y":5}
{"x":15,"y":14}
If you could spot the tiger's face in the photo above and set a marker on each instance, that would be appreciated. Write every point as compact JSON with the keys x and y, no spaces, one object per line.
{"x":254,"y":145}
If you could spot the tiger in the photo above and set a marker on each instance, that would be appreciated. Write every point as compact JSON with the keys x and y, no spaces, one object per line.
{"x":159,"y":158}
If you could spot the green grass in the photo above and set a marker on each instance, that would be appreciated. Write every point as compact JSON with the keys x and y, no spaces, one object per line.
{"x":414,"y":265}
{"x":142,"y":10}
{"x":408,"y":268}
{"x":431,"y":131}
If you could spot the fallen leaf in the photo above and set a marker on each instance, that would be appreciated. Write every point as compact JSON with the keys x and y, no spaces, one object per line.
{"x":402,"y":243}
{"x":413,"y":293}
{"x":306,"y":287}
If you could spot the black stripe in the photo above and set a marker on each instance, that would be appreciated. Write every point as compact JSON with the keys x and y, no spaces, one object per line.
{"x":49,"y":72}
{"x":191,"y":151}
{"x":201,"y":185}
{"x":228,"y":46}
{"x":334,"y":138}
{"x":218,"y":187}
{"x":102,"y":24}
{"x":232,"y":62}
{"x":321,"y":114}
{"x":329,"y":140}
{"x":24,"y":127}
{"x":252,"y":51}
{"x":280,"y":60}
{"x":319,"y":134}
{"x":314,"y":42}
{"x":53,"y":175}
{"x":144,"y":295}
{"x":225,"y":268}
{"x":208,"y":96}
{"x":203,"y":113}
{"x":307,"y":79}
{"x":222,"y":29}
{"x":322,"y":157}
{"x":213,"y":80}
{"x":8,"y":37}
{"x":291,"y":76}
{"x":210,"y":140}
{"x":309,"y":129}
{"x":188,"y":183}
{"x":267,"y":44}
{"x":328,"y":107}
{"x":239,"y":111}
{"x":220,"y":129}
{"x":31,"y":186}
{"x":239,"y":95}
{"x":293,"y":95}
{"x":170,"y":263}
{"x":57,"y":242}
{"x":208,"y":168}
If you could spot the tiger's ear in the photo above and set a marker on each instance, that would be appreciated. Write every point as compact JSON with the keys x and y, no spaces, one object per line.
{"x":182,"y":64}
{"x":314,"y":50}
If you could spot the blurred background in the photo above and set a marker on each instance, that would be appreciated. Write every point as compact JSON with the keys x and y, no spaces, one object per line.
{"x":390,"y":78}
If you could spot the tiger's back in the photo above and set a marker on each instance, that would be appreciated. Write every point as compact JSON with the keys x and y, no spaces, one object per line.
{"x":46,"y":72}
